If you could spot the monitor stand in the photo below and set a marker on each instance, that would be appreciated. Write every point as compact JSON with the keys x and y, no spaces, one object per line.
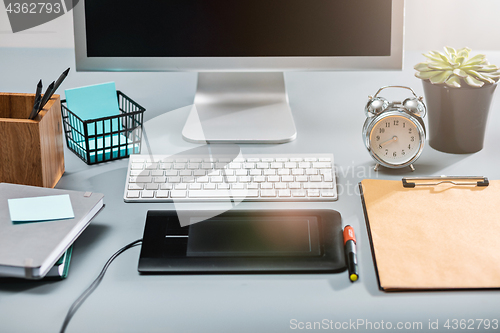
{"x":240,"y":108}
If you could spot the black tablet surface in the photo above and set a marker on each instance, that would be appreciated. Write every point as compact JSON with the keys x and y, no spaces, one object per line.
{"x":243,"y":241}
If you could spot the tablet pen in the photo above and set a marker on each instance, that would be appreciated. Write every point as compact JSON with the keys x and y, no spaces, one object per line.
{"x":56,"y":85}
{"x":45,"y":98}
{"x":38,"y":96}
{"x":350,"y":253}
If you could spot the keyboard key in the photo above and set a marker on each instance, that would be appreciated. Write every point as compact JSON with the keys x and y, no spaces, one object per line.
{"x":328,"y":177}
{"x":166,"y":186}
{"x":152,"y":186}
{"x":255,"y":172}
{"x":241,"y":172}
{"x":203,"y":179}
{"x":327,"y":193}
{"x":273,"y":178}
{"x":315,"y":178}
{"x":133,"y":194}
{"x":140,"y":179}
{"x":216,"y":179}
{"x":267,"y":193}
{"x":178,"y":193}
{"x":198,"y":173}
{"x":136,"y":186}
{"x":283,"y":172}
{"x":195,"y":186}
{"x":313,"y":193}
{"x":298,"y":193}
{"x":162,"y":194}
{"x":301,"y":179}
{"x":148,"y":194}
{"x":137,"y":166}
{"x":160,"y":179}
{"x":311,"y":172}
{"x":151,"y":166}
{"x":174,"y":179}
{"x":157,"y":173}
{"x":269,"y":172}
{"x":171,"y":173}
{"x":180,"y":187}
{"x":266,"y":186}
{"x":284,"y":193}
{"x":287,"y":179}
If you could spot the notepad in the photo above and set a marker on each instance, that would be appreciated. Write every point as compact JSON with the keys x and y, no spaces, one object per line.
{"x":37,"y":209}
{"x":433,"y":237}
{"x":94,"y":102}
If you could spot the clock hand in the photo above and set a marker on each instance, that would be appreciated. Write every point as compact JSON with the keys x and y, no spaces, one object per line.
{"x":394,"y":138}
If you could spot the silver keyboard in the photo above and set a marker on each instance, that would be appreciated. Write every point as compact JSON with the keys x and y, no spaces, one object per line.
{"x":249,"y":177}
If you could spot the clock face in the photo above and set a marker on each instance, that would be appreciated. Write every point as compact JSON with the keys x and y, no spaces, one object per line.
{"x":395,"y":140}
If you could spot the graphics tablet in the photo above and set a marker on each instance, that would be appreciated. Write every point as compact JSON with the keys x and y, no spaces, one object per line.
{"x":243,"y":241}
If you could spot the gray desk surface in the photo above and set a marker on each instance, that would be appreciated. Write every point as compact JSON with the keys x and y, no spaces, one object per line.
{"x":328,"y":110}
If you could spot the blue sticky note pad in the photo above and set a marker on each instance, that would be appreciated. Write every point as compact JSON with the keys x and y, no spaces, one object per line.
{"x":36,"y":209}
{"x":94,"y":102}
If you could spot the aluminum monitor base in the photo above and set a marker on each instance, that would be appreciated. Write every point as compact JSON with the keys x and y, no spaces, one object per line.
{"x":240,"y":108}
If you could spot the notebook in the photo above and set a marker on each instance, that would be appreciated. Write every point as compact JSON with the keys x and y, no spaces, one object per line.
{"x":433,"y":237}
{"x":30,"y":250}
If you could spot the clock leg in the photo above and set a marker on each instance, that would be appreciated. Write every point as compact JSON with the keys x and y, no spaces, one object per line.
{"x":411,"y":167}
{"x":376,"y":167}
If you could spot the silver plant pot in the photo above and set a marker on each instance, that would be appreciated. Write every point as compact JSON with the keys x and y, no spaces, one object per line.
{"x":457,"y":116}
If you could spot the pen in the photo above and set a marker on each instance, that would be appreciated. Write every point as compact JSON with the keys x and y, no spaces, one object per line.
{"x":37,"y":99}
{"x":45,"y":98}
{"x":56,"y":85}
{"x":350,"y":253}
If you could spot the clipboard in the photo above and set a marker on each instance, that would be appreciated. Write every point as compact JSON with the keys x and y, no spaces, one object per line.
{"x":434,"y":233}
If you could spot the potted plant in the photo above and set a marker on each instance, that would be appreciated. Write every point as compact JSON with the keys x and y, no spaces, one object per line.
{"x":458,"y":90}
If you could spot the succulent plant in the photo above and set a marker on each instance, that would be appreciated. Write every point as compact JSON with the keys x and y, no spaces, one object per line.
{"x":454,"y":67}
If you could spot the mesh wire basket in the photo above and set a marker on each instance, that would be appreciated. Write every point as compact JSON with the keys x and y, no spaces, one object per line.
{"x":108,"y":138}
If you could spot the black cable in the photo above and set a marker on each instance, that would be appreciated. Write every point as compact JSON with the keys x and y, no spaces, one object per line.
{"x":79,"y":301}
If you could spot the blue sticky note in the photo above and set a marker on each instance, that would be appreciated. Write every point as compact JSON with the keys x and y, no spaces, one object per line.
{"x":94,"y":102}
{"x":36,"y":209}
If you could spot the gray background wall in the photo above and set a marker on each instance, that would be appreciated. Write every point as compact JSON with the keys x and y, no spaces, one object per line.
{"x":430,"y":24}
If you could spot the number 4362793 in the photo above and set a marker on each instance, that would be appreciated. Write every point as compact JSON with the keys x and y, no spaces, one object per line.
{"x":34,"y":8}
{"x":471,"y":324}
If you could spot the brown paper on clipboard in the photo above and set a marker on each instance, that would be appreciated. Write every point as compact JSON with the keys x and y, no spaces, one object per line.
{"x":433,"y":237}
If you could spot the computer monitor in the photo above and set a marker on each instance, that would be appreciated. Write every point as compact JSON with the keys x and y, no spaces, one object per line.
{"x":240,"y":49}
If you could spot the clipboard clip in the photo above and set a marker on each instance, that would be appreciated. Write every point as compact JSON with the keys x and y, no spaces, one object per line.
{"x":411,"y":182}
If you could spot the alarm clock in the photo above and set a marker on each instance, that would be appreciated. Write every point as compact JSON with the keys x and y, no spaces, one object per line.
{"x":394,"y":132}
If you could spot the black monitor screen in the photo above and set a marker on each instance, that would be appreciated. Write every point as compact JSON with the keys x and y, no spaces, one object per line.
{"x":237,"y":28}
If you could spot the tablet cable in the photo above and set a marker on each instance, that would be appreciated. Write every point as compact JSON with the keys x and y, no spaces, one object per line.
{"x":79,"y":301}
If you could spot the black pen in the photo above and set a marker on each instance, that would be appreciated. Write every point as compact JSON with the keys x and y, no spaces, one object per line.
{"x":37,"y":99}
{"x":45,"y":98}
{"x":56,"y":85}
{"x":350,"y":253}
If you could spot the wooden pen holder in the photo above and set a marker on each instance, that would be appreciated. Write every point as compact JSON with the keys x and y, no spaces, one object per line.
{"x":31,"y":151}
